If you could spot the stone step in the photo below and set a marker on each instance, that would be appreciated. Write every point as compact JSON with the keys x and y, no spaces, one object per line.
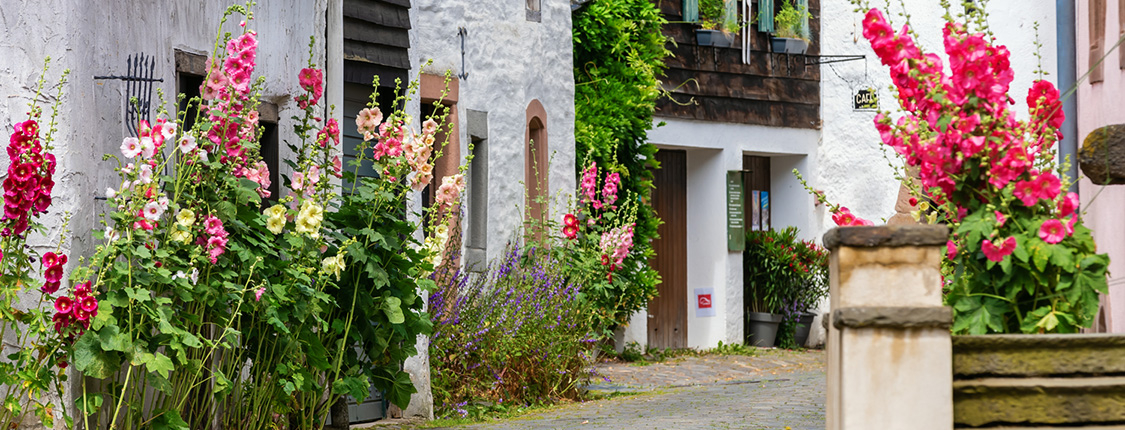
{"x":1038,"y":355}
{"x":1040,"y":401}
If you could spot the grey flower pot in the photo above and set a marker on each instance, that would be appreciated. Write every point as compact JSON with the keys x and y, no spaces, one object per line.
{"x":761,"y":328}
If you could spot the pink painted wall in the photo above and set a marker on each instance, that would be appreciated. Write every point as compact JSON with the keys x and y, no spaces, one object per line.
{"x":1100,"y":104}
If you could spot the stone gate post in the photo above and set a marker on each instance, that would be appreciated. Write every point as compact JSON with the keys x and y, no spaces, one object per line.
{"x":889,"y":345}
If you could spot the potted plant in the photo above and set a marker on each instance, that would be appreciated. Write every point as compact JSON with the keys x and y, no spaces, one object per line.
{"x":789,"y":24}
{"x":783,"y":278}
{"x":714,"y":27}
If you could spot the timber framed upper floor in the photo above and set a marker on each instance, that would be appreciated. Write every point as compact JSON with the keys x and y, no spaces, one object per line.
{"x":744,"y":83}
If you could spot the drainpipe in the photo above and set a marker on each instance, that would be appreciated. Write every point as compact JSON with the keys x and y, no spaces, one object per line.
{"x":1065,"y":21}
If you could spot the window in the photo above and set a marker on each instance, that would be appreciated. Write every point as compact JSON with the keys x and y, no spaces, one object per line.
{"x":536,"y":167}
{"x":191,"y":71}
{"x":355,"y":99}
{"x":270,"y":145}
{"x":756,"y":185}
{"x":476,"y":249}
{"x":533,"y":10}
{"x":1097,"y":40}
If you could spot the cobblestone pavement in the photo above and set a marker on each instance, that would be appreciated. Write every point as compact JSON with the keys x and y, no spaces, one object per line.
{"x":773,"y":390}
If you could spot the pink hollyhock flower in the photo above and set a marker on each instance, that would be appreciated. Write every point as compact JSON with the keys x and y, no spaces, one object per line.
{"x":429,"y":126}
{"x":570,"y":220}
{"x":367,"y":121}
{"x":50,"y":287}
{"x":996,"y":252}
{"x":214,"y":226}
{"x":53,"y":274}
{"x":89,"y":304}
{"x":447,"y":192}
{"x":81,"y":315}
{"x":570,"y":231}
{"x":64,"y":305}
{"x":258,"y":294}
{"x":337,"y":165}
{"x":1052,"y":231}
{"x":144,"y":224}
{"x":82,"y":289}
{"x":298,"y":182}
{"x":1047,"y":186}
{"x":1027,"y":193}
{"x":950,"y":249}
{"x":1068,"y":204}
{"x":1000,"y":219}
{"x":50,"y":259}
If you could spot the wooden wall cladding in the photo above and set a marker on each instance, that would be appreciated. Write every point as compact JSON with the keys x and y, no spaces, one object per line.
{"x":713,"y":84}
{"x":376,"y":40}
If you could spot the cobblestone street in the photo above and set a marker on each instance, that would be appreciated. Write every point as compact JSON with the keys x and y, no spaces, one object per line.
{"x":773,"y":390}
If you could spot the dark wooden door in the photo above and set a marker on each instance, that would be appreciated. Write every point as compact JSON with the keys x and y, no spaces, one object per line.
{"x":667,"y":312}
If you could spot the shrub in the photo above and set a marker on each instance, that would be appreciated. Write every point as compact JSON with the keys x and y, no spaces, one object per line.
{"x":783,"y":274}
{"x":619,"y":51}
{"x":515,"y":334}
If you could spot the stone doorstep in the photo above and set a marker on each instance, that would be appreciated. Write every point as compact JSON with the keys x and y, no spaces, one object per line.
{"x":1040,"y":401}
{"x":1038,"y":355}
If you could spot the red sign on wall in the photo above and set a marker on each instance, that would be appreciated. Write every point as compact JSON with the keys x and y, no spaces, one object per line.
{"x":704,"y":301}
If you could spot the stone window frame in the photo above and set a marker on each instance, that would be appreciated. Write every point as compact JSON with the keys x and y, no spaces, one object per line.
{"x":536,"y":163}
{"x":476,"y":247}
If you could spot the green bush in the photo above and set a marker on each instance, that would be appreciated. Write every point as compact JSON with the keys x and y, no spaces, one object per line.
{"x":618,"y":54}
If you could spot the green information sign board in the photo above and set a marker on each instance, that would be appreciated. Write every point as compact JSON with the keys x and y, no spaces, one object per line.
{"x":736,"y":215}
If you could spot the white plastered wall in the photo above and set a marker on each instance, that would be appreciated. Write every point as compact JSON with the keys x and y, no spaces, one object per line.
{"x":712,"y":150}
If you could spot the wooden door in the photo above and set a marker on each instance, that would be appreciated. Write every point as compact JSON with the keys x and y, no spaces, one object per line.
{"x":667,"y":312}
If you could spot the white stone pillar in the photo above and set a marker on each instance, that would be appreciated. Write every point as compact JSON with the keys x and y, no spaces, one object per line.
{"x":890,"y":362}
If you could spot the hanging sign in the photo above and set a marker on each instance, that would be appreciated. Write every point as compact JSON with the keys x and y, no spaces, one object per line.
{"x":866,"y":99}
{"x":736,"y":212}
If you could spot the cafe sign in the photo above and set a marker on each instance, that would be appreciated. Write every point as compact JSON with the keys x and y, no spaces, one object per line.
{"x":866,"y":99}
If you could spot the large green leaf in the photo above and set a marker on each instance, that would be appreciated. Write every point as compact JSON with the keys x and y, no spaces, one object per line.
{"x":91,"y":360}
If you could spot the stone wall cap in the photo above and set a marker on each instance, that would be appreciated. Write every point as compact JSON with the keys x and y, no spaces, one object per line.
{"x":893,"y":317}
{"x":886,"y":235}
{"x":1037,"y":341}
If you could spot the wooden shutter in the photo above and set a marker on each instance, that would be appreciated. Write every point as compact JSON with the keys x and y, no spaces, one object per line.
{"x":691,"y":11}
{"x":765,"y":16}
{"x":1097,"y":40}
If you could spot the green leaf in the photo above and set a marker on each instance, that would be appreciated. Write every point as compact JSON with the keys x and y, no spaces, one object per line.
{"x":113,"y":340}
{"x":89,"y":404}
{"x":392,"y":307}
{"x":160,"y":364}
{"x":977,"y":315}
{"x":91,"y":360}
{"x":168,"y":419}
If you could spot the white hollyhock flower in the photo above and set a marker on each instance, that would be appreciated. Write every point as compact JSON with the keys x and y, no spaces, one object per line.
{"x":153,"y":211}
{"x":148,"y":147}
{"x":145,"y":174}
{"x":130,"y":147}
